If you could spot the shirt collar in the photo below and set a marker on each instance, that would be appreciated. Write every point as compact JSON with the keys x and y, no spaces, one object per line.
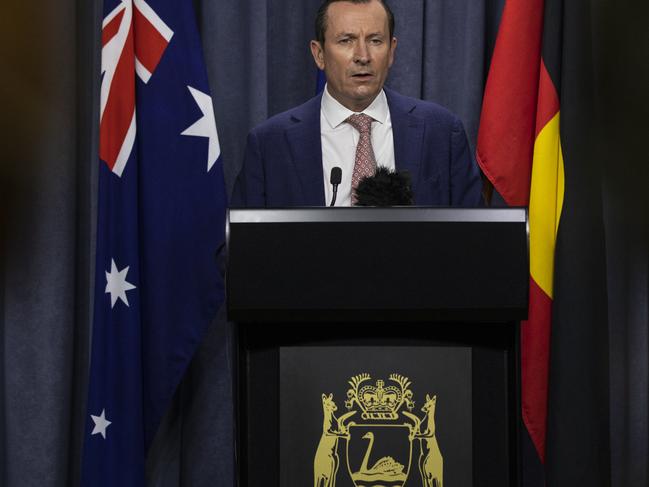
{"x":335,"y":113}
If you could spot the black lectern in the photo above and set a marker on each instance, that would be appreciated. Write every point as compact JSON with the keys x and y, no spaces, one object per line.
{"x":377,"y":346}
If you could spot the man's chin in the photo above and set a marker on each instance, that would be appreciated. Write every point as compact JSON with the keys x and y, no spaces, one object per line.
{"x":358,"y":98}
{"x":366,"y":94}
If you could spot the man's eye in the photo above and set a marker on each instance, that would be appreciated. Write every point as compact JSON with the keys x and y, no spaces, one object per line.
{"x":377,"y":41}
{"x":345,"y":41}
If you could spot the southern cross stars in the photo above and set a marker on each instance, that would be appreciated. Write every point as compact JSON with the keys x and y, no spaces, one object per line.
{"x":205,"y":126}
{"x":101,"y":423}
{"x":117,"y":285}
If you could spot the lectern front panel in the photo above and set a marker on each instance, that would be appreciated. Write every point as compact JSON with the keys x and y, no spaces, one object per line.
{"x":377,"y":346}
{"x":299,"y":388}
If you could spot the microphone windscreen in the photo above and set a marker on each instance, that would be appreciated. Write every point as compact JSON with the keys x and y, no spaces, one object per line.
{"x":336,"y":175}
{"x":385,"y":188}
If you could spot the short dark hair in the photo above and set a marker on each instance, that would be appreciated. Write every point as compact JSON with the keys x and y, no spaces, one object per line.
{"x":321,"y":17}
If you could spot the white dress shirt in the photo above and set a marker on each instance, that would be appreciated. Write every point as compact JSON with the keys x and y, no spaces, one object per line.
{"x":339,"y":140}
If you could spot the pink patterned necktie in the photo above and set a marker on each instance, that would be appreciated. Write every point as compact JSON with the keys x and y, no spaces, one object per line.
{"x":365,"y":162}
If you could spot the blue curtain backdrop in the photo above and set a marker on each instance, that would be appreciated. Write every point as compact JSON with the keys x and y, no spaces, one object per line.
{"x":258,"y":64}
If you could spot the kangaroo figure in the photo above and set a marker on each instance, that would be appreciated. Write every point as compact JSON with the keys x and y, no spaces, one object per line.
{"x":325,"y":464}
{"x":430,"y":461}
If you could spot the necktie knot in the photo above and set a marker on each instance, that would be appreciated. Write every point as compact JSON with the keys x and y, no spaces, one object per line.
{"x":361,"y":122}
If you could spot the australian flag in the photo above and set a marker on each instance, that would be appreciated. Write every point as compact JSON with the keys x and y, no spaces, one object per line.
{"x":161,"y":213}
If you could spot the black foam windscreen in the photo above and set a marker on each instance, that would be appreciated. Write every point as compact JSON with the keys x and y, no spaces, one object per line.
{"x":385,"y":188}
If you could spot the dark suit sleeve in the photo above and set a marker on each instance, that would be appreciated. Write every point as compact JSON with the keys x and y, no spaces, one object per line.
{"x":466,"y":184}
{"x":249,"y":187}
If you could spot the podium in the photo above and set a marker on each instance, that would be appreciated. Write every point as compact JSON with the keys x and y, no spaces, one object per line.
{"x":377,"y":346}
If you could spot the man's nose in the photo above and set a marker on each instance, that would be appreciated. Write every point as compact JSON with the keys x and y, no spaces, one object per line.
{"x":362,"y":53}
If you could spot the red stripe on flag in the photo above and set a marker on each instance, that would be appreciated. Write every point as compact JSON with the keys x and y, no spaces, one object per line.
{"x":149,"y":44}
{"x":548,"y":100}
{"x":507,"y":122}
{"x":109,"y":31}
{"x":120,"y":106}
{"x":535,"y":355}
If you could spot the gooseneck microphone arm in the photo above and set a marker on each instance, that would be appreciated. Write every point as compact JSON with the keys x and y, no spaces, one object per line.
{"x":335,"y":178}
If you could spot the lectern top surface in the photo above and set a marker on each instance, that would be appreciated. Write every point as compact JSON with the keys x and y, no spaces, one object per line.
{"x":392,"y":214}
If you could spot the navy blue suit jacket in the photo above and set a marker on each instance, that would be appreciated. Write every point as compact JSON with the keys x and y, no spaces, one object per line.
{"x":283,"y":161}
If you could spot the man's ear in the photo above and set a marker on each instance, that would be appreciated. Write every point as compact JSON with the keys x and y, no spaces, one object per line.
{"x":393,"y":47}
{"x":317,"y":51}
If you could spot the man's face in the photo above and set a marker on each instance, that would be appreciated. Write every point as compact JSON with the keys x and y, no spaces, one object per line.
{"x":357,"y":52}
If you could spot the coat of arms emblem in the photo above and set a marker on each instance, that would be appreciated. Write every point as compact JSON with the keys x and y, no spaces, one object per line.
{"x":378,"y":429}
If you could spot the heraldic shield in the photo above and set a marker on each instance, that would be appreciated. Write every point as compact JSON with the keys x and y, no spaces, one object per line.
{"x":379,"y":429}
{"x":379,"y":454}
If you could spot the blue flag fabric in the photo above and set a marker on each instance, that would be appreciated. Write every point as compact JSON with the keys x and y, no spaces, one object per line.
{"x":161,"y":217}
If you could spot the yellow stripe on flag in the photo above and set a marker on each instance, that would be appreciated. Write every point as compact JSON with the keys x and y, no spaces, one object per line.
{"x":546,"y":201}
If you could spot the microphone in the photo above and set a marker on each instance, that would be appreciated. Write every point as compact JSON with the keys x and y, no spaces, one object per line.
{"x":335,"y":178}
{"x":385,"y":188}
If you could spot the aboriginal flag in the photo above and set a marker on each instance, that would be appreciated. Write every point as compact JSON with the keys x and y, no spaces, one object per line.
{"x":535,"y":145}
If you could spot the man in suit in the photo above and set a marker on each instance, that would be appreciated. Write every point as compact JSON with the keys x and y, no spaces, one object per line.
{"x":356,"y":124}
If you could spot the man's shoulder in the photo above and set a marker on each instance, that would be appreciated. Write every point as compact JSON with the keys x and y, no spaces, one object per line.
{"x":427,"y":110}
{"x":308,"y":111}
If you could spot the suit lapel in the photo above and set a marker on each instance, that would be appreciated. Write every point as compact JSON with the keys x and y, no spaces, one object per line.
{"x":408,"y":135}
{"x":304,"y":140}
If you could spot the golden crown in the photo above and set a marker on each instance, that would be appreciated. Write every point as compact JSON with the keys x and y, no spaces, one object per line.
{"x":379,"y":401}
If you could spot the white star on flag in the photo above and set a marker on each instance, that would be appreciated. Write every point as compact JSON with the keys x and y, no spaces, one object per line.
{"x":117,"y":285}
{"x":101,"y":423}
{"x":205,"y":126}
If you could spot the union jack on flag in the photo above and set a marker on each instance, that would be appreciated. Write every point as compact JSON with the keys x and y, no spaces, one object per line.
{"x":160,"y":224}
